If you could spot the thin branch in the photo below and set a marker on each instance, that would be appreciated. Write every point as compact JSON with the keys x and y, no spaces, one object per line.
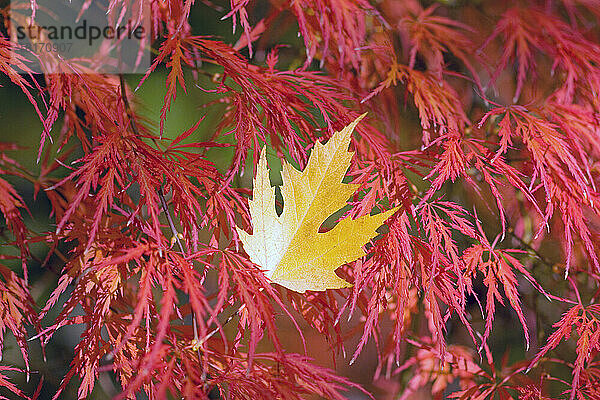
{"x":523,"y":243}
{"x":128,"y":109}
{"x":163,"y":201}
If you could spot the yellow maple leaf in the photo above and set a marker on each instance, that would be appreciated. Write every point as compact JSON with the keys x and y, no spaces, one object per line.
{"x":290,"y":248}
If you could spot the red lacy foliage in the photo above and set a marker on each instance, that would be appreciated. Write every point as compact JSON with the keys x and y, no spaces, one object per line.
{"x":483,"y":127}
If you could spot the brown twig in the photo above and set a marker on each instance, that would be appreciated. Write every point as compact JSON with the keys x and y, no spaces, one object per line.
{"x":523,"y":243}
{"x":163,"y":201}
